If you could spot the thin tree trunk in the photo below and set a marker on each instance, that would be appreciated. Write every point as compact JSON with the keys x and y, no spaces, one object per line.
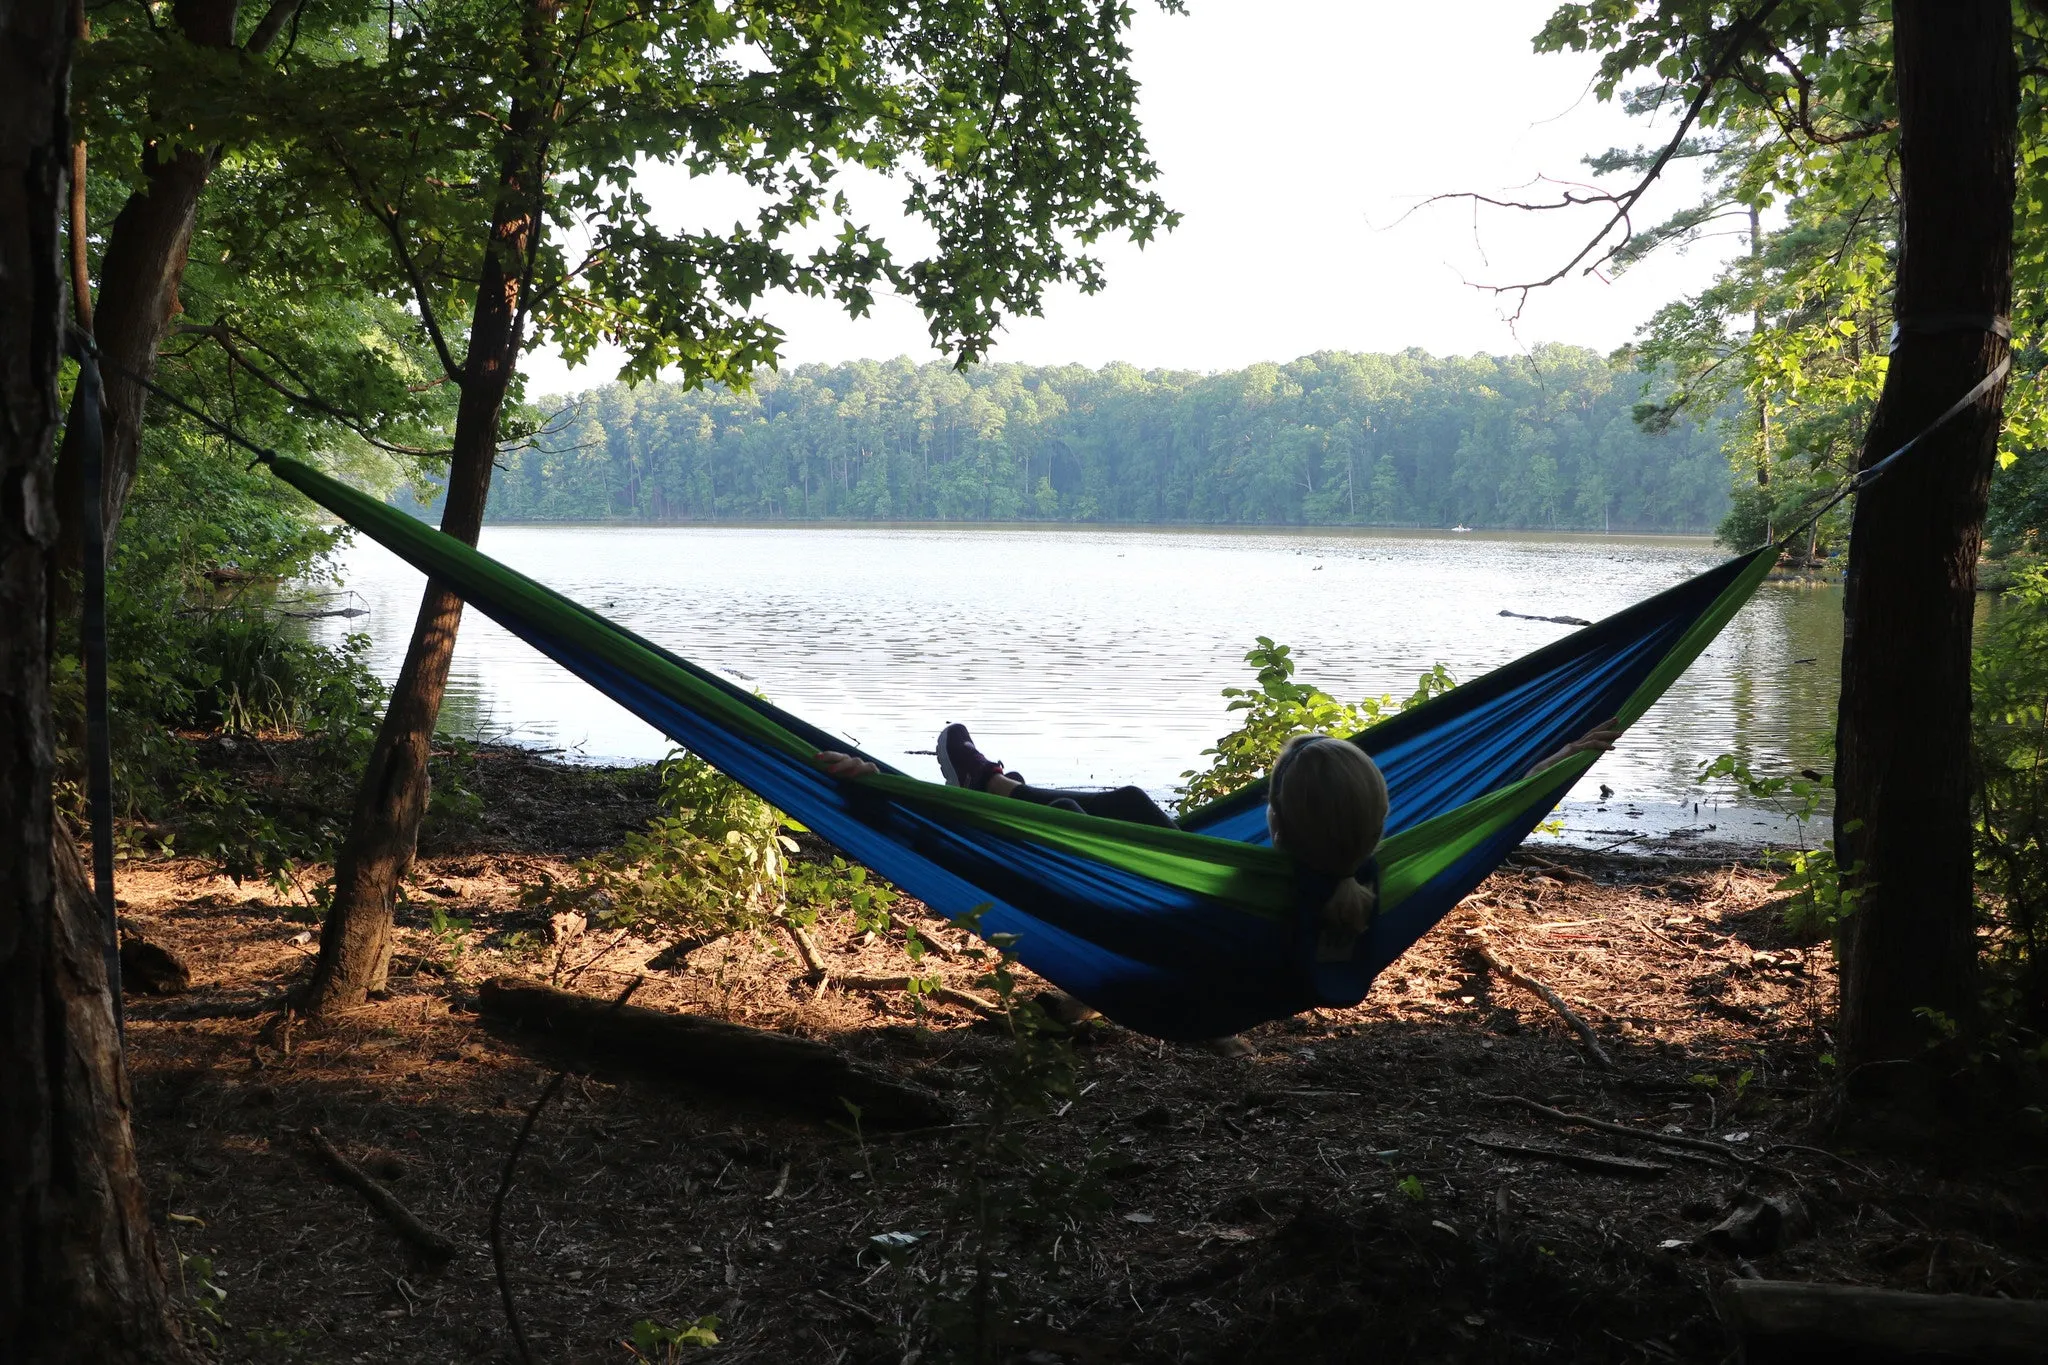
{"x":80,"y":1279}
{"x":140,"y":271}
{"x":355,"y":940}
{"x":1756,"y":328}
{"x":1903,"y":809}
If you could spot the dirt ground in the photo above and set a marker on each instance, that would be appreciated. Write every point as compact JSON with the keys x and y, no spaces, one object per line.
{"x":1361,"y":1187}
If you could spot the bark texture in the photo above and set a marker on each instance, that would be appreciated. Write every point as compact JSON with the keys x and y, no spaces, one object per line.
{"x":355,"y":940}
{"x":1903,"y":810}
{"x":80,"y":1279}
{"x":140,"y":271}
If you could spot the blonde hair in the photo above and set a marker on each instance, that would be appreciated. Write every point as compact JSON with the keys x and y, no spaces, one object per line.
{"x":1328,"y":807}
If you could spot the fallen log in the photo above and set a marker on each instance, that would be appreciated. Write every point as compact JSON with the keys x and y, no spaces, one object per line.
{"x":790,"y":1071}
{"x":1777,"y":1321}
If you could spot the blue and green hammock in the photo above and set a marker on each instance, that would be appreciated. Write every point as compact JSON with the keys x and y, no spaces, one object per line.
{"x":1184,"y":934}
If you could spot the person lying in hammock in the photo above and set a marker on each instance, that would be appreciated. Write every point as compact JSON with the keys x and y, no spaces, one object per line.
{"x":1326,"y":804}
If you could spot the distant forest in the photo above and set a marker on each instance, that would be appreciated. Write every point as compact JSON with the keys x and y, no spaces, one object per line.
{"x":1539,"y":441}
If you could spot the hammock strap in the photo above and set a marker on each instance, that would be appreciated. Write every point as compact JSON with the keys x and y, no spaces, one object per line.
{"x":92,"y":640}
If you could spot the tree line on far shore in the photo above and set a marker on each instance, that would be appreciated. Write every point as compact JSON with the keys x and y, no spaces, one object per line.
{"x":1542,"y":441}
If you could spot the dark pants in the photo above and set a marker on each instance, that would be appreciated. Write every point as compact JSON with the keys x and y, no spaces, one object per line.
{"x":1119,"y":803}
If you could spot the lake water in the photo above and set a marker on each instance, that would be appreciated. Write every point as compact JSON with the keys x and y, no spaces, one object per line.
{"x":1095,"y":657}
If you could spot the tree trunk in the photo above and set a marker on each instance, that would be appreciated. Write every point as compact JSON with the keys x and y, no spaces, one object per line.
{"x":80,"y":1279}
{"x":1902,"y":817}
{"x":140,"y":271}
{"x":355,"y":941}
{"x":1756,"y":329}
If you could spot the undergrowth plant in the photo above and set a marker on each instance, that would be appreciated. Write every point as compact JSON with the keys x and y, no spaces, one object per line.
{"x":236,"y":737}
{"x":1276,"y":710}
{"x":659,"y":1344}
{"x":816,"y":887}
{"x":713,"y":861}
{"x":1822,"y":892}
{"x":192,"y":686}
{"x":2010,"y":752}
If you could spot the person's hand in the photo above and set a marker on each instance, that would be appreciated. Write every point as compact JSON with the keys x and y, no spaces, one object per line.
{"x":844,"y":766}
{"x":1599,"y":739}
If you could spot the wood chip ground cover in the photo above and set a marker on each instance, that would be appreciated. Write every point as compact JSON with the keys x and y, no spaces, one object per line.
{"x":1321,"y":1200}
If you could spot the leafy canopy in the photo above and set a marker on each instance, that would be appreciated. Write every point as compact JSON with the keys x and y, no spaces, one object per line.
{"x":1013,"y":125}
{"x":1796,"y":111}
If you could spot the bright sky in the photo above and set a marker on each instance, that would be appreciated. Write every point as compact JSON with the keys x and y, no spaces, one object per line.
{"x":1297,"y":138}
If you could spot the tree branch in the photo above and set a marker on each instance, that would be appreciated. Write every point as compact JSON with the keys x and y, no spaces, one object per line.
{"x":396,"y":232}
{"x":220,"y":334}
{"x":270,"y":26}
{"x":1739,"y":35}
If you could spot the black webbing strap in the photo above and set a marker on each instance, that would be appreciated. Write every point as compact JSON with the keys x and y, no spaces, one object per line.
{"x":92,"y":642}
{"x":1933,"y":324}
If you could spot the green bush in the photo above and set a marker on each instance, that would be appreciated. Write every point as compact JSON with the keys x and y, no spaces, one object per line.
{"x":199,"y":651}
{"x":2010,"y":742}
{"x":713,"y":861}
{"x":177,"y":678}
{"x":1819,"y":900}
{"x":1277,"y":710}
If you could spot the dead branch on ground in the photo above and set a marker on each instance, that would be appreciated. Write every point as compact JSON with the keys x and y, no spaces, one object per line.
{"x":434,"y":1245}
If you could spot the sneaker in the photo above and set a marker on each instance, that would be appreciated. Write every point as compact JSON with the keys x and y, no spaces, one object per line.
{"x":962,"y":764}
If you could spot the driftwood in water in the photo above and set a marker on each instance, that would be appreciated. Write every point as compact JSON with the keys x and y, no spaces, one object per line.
{"x":1778,"y":1321}
{"x":1553,"y":620}
{"x":791,"y":1071}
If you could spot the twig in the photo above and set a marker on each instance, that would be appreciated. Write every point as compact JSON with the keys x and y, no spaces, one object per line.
{"x":1555,"y":869}
{"x":946,"y":994}
{"x":914,"y":1134}
{"x":552,"y":1088}
{"x":1623,"y":1130}
{"x":1653,"y":932}
{"x":830,"y":1298}
{"x":814,"y":961}
{"x":1864,"y":1171}
{"x":434,"y":1245}
{"x":1548,"y":996}
{"x":600,"y":955}
{"x":1591,"y":1161}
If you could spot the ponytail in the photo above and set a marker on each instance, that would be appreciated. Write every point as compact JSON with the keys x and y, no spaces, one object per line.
{"x":1328,"y":807}
{"x":1345,"y":916}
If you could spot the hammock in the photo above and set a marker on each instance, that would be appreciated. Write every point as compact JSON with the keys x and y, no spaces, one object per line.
{"x":1182,"y":934}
